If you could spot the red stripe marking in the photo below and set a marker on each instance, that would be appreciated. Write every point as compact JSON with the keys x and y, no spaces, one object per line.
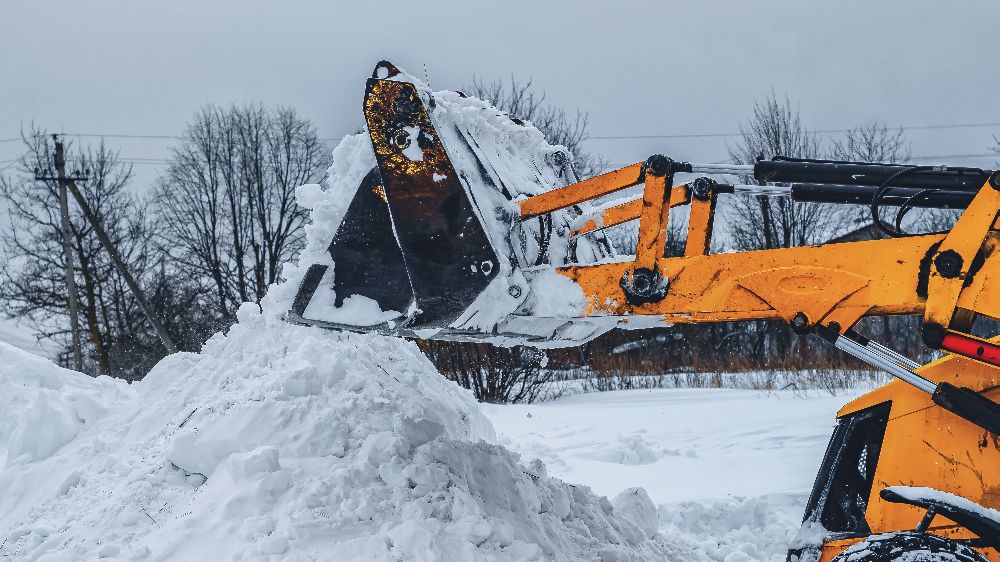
{"x":971,"y":347}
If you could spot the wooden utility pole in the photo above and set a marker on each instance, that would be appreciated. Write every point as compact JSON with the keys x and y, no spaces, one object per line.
{"x":147,"y":310}
{"x":72,"y":296}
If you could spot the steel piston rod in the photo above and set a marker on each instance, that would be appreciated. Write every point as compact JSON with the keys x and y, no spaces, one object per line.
{"x":876,"y":359}
{"x":735,"y":169}
{"x":892,"y":354}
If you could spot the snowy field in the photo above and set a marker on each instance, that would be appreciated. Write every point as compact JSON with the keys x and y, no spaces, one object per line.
{"x":729,"y":470}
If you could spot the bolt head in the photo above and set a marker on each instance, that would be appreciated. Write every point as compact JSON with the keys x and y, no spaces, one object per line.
{"x":658,"y":165}
{"x":701,"y":188}
{"x":800,"y":323}
{"x":948,"y":264}
{"x":401,"y":139}
{"x":933,"y":334}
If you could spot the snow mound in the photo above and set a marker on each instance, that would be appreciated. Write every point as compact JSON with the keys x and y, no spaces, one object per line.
{"x":286,"y":442}
{"x":46,"y":405}
{"x":629,"y":450}
{"x":741,"y":529}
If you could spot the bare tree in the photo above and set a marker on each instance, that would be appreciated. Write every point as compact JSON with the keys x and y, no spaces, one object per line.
{"x":775,"y":129}
{"x":874,"y":142}
{"x":34,"y":287}
{"x":522,"y":101}
{"x":228,"y":198}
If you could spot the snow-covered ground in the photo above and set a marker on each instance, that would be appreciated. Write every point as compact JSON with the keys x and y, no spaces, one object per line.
{"x":729,"y":470}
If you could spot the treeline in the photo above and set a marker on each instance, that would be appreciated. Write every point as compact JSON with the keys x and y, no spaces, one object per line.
{"x":210,"y":235}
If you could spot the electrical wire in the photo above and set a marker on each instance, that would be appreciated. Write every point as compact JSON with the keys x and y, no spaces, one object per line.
{"x":594,"y":137}
{"x":824,"y":131}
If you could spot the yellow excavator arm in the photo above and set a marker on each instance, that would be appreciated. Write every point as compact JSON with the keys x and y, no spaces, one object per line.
{"x":436,"y":233}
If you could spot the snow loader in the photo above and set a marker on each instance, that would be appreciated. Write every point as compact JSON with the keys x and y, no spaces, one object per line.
{"x":469,"y":227}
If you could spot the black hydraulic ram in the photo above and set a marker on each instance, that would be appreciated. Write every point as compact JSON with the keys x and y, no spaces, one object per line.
{"x":858,"y":194}
{"x":789,"y":170}
{"x":820,"y":181}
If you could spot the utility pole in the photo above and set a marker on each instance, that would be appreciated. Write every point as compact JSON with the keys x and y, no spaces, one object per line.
{"x":72,"y":295}
{"x":147,"y":310}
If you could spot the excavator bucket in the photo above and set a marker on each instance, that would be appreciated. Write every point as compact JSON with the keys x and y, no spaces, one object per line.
{"x":432,"y":244}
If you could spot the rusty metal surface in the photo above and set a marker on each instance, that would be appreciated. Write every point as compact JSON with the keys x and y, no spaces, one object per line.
{"x":448,"y":256}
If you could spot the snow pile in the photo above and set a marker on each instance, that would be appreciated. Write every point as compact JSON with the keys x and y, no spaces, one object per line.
{"x":47,"y":406}
{"x":736,"y":529}
{"x":285,"y":442}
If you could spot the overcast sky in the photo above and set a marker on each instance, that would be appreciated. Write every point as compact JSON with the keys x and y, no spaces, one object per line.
{"x":638,"y":68}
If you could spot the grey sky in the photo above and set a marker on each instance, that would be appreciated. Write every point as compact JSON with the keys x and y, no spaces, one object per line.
{"x":638,"y":68}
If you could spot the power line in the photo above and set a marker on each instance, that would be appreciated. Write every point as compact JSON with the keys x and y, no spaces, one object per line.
{"x":956,"y":156}
{"x":595,"y":137}
{"x":110,"y":136}
{"x":124,"y":136}
{"x":824,"y":131}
